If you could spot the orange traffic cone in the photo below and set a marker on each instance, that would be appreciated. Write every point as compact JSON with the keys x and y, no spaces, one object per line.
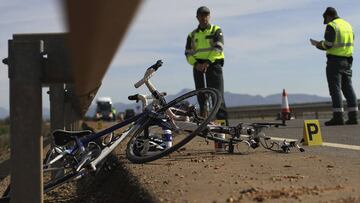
{"x":285,"y":110}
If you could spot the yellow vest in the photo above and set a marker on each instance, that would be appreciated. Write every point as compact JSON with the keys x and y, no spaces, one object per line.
{"x":203,"y":46}
{"x":344,"y":40}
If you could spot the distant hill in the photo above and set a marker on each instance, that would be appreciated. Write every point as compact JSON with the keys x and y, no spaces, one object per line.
{"x":3,"y":113}
{"x":232,"y":100}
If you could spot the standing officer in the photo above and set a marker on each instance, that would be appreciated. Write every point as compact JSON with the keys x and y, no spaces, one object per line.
{"x":339,"y":44}
{"x":204,"y":51}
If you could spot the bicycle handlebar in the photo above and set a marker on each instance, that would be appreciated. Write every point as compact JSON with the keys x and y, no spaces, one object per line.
{"x":148,"y":74}
{"x":137,"y":97}
{"x":134,"y":97}
{"x":157,"y":65}
{"x":143,"y":98}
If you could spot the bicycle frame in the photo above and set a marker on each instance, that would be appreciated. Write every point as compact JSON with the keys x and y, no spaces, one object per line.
{"x":107,"y":150}
{"x":84,"y":141}
{"x":87,"y":139}
{"x":164,"y":118}
{"x":83,"y":154}
{"x":80,"y":171}
{"x":138,"y":120}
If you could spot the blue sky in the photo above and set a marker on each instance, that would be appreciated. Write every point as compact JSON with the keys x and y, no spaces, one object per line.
{"x":267,"y":44}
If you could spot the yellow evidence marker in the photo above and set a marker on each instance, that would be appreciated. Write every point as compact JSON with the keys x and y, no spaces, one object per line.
{"x":99,"y":125}
{"x":312,"y":133}
{"x":220,"y":122}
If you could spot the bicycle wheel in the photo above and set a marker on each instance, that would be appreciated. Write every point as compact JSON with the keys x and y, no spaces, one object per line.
{"x":57,"y":169}
{"x":61,"y":167}
{"x":269,"y":144}
{"x":180,"y":119}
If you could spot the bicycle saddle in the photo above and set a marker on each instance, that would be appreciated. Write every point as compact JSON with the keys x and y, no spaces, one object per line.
{"x":61,"y":137}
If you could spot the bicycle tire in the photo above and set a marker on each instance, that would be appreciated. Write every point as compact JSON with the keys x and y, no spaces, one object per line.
{"x":50,"y":181}
{"x":47,"y":186}
{"x":183,"y":135}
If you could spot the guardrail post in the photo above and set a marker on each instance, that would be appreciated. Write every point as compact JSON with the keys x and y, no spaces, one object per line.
{"x":25,"y":63}
{"x":72,"y":118}
{"x":57,"y":120}
{"x":56,"y":96}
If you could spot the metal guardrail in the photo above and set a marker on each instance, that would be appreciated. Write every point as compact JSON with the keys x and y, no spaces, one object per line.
{"x":95,"y":34}
{"x":272,"y":110}
{"x":73,"y":65}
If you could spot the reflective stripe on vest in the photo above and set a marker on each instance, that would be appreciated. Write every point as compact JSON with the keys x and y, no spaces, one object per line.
{"x":344,"y":40}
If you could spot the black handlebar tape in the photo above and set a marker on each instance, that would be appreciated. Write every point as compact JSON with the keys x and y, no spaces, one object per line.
{"x":157,"y":65}
{"x":133,"y":97}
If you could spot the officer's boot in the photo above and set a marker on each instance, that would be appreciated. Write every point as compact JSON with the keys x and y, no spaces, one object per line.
{"x":352,"y":115}
{"x":336,"y":120}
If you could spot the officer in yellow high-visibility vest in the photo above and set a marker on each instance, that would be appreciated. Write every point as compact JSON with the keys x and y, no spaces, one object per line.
{"x":339,"y":45}
{"x":204,"y":51}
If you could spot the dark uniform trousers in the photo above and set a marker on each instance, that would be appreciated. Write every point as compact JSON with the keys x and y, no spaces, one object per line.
{"x":214,"y":79}
{"x":339,"y":73}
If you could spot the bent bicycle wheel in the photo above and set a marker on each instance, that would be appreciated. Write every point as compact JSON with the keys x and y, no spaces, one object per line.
{"x":177,"y":123}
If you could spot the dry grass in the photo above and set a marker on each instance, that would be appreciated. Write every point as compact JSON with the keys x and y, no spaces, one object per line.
{"x":5,"y":134}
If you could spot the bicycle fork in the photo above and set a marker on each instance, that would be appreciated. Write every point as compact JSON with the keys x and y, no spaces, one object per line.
{"x":207,"y":103}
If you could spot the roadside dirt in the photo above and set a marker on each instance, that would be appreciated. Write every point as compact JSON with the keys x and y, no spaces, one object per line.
{"x":197,"y":174}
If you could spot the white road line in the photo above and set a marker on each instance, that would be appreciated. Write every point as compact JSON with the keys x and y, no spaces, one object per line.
{"x":327,"y":144}
{"x":282,"y":139}
{"x":344,"y":146}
